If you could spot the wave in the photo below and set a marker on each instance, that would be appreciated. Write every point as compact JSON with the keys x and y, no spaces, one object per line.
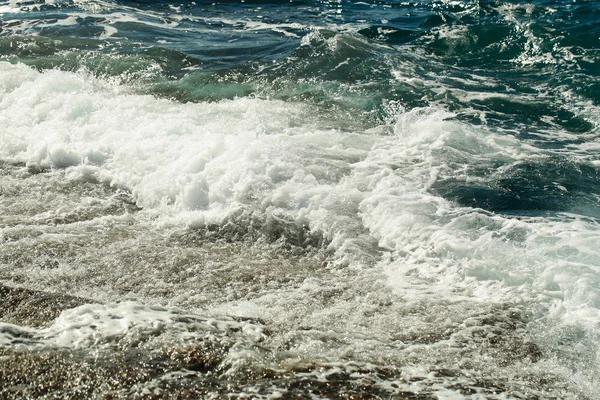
{"x":372,"y":188}
{"x":233,"y":161}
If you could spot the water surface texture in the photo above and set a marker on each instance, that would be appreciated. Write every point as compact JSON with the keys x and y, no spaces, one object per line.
{"x":300,"y":199}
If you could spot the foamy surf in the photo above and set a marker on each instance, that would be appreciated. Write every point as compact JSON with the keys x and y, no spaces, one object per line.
{"x":327,"y":258}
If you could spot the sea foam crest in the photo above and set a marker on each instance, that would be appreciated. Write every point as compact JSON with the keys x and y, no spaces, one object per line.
{"x":367,"y":195}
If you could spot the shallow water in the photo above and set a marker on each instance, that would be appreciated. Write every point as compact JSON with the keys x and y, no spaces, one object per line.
{"x":319,"y":199}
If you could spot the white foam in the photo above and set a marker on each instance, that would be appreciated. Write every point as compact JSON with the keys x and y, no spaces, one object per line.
{"x":95,"y":325}
{"x":200,"y":164}
{"x":15,"y":335}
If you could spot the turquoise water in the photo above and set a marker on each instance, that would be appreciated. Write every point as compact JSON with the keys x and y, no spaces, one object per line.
{"x":419,"y":167}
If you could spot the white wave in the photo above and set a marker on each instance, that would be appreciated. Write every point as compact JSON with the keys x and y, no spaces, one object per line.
{"x":97,"y":327}
{"x":367,"y":194}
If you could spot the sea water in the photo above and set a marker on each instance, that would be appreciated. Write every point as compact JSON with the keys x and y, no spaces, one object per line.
{"x":307,"y":199}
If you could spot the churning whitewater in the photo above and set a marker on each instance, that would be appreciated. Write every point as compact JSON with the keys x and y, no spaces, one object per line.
{"x":309,"y":199}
